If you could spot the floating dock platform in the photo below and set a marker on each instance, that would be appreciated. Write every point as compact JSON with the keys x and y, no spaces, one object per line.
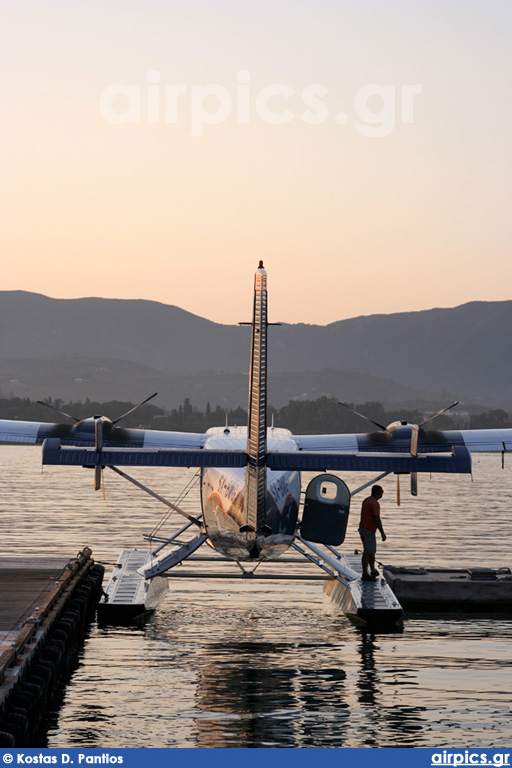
{"x":371,"y":603}
{"x":45,"y":604}
{"x":129,"y":594}
{"x":445,"y":590}
{"x":400,"y":590}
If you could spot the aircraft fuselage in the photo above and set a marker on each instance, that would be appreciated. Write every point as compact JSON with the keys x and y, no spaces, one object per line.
{"x":225,"y":506}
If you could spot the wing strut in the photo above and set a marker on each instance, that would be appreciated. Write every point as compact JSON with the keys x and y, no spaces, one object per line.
{"x":157,"y":496}
{"x":370,"y":482}
{"x":345,"y":573}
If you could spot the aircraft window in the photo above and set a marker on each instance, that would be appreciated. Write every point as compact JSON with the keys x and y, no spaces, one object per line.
{"x":328,"y":490}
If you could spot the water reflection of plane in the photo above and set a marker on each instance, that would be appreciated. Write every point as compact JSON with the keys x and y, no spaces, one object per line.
{"x":254,"y":695}
{"x":401,"y":723}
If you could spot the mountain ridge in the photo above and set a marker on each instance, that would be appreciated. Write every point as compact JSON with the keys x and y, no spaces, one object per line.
{"x":464,"y":350}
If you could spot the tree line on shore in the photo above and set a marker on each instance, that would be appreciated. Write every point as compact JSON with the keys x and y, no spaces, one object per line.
{"x":323,"y":415}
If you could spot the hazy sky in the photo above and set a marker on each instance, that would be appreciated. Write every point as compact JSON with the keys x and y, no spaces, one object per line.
{"x":361,"y":148}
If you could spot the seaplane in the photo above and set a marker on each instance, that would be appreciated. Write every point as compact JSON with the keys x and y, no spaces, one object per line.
{"x":252,"y":509}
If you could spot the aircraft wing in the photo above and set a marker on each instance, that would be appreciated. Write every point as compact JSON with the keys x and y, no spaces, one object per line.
{"x":486,"y":440}
{"x":83,"y":434}
{"x":383,"y":451}
{"x":77,"y":444}
{"x":81,"y":445}
{"x":475,"y":440}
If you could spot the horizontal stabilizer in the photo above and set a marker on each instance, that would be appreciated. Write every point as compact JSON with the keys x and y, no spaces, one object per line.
{"x":459,"y":461}
{"x":55,"y":453}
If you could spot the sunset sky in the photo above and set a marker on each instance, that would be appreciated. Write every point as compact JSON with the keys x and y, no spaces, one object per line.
{"x":360,"y":199}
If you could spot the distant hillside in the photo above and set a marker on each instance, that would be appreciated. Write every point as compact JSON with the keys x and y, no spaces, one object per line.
{"x":79,"y":378}
{"x":144,"y":345}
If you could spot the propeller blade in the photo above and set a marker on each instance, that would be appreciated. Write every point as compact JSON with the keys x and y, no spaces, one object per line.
{"x":414,"y":452}
{"x":443,"y":410}
{"x":98,"y":434}
{"x":98,"y":445}
{"x":134,"y":408}
{"x":349,"y":408}
{"x":414,"y":439}
{"x":97,"y":477}
{"x":57,"y":410}
{"x":398,"y":490}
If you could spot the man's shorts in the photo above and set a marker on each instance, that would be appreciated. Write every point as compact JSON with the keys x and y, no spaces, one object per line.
{"x":369,"y":540}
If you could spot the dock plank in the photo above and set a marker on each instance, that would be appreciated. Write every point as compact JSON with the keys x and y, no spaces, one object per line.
{"x":25,"y":583}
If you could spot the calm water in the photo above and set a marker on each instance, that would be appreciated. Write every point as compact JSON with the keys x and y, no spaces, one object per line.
{"x":263,"y":664}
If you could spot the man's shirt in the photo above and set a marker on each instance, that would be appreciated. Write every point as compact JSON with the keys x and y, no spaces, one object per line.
{"x":369,"y":509}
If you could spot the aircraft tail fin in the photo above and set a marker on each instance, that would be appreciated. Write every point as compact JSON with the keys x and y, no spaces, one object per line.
{"x":256,"y":481}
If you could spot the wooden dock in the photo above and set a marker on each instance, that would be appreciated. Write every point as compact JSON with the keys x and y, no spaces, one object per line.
{"x":44,"y":604}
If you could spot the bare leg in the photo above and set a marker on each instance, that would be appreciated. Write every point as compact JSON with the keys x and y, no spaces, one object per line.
{"x":365,"y":561}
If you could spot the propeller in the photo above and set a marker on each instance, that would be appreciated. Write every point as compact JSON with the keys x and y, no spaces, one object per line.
{"x":99,"y":424}
{"x":352,"y":410}
{"x":413,"y":448}
{"x":57,"y":410}
{"x":439,"y":413}
{"x":135,"y":407}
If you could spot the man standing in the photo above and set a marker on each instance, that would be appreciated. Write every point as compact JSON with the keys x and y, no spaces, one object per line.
{"x":370,"y":522}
